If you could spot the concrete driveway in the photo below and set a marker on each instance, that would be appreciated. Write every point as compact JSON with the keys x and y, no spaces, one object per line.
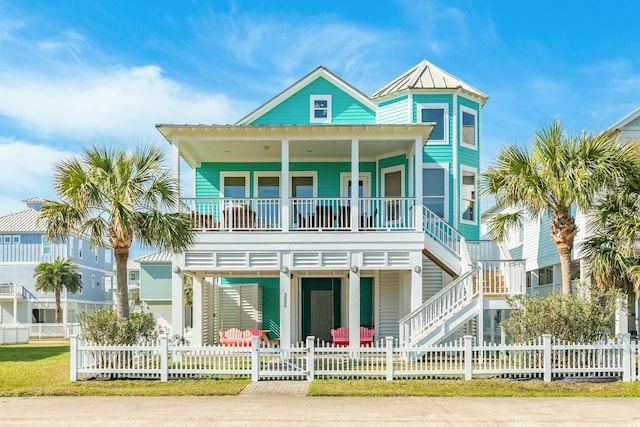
{"x":316,"y":411}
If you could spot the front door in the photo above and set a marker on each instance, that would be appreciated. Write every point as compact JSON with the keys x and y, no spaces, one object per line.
{"x":320,"y":306}
{"x":321,"y":314}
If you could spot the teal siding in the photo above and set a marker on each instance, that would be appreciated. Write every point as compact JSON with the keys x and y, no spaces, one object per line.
{"x":296,"y":109}
{"x":393,"y":111}
{"x":208,"y":175}
{"x":155,"y":282}
{"x":270,"y":301}
{"x":366,"y":302}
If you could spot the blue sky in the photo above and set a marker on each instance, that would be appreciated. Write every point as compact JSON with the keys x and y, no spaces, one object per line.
{"x":74,"y":73}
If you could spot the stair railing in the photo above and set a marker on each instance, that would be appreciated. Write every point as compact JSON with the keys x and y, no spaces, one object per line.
{"x":446,"y":235}
{"x":440,"y":306}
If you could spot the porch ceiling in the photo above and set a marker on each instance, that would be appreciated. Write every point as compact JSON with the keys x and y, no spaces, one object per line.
{"x":211,"y":143}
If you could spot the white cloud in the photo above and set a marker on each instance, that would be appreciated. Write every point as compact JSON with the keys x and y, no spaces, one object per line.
{"x":27,"y":170}
{"x":122,"y":102}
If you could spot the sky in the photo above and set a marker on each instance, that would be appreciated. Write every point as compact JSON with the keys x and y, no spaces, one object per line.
{"x":75,"y":73}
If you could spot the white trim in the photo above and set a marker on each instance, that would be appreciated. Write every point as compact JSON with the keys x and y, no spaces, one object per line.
{"x":474,"y":113}
{"x":435,"y":106}
{"x":474,"y":171}
{"x":456,"y":167}
{"x":312,"y":109}
{"x":345,"y":177}
{"x":266,"y":174}
{"x":392,"y":169}
{"x":227,"y":174}
{"x":445,"y":168}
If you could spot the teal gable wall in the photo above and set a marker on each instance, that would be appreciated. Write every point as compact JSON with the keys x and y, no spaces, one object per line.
{"x":296,"y":109}
{"x":155,"y":282}
{"x":393,"y":111}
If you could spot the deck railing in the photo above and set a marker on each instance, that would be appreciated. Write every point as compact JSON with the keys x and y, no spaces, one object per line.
{"x":544,"y":359}
{"x":442,"y":232}
{"x":305,"y":214}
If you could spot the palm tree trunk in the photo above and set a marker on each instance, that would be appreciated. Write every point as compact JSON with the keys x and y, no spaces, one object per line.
{"x":122,"y":256}
{"x":58,"y":308}
{"x":563,"y":231}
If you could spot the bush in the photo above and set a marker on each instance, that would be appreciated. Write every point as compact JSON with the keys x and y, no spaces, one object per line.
{"x":103,"y":327}
{"x":566,"y":317}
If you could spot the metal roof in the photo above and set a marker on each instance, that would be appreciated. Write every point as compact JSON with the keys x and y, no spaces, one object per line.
{"x":21,"y":222}
{"x":163,"y":256}
{"x":425,"y":75}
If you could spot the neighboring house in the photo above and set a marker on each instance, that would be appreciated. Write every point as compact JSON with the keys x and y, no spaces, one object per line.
{"x":133,"y":280}
{"x":325,"y":207}
{"x":23,"y":245}
{"x":533,"y":243}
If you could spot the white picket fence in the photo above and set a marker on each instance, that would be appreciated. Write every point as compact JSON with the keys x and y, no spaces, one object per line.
{"x":543,"y":359}
{"x":17,"y":334}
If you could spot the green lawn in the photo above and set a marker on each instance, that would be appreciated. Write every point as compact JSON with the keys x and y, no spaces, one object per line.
{"x":42,"y":369}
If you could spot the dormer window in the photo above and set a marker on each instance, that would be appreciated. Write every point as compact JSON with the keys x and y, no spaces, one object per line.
{"x":320,"y":109}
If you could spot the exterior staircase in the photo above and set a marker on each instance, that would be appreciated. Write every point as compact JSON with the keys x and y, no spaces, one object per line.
{"x":484,"y":275}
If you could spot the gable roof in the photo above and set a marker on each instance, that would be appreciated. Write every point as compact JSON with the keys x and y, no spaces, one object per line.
{"x":635,"y":114}
{"x":21,"y":222}
{"x":425,"y":75}
{"x":160,"y":257}
{"x":319,"y":71}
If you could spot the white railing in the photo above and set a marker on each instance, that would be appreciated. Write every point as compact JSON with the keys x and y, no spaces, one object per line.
{"x":305,"y":214}
{"x":545,"y":359}
{"x":439,"y":307}
{"x":442,"y":232}
{"x":15,"y":334}
{"x":53,"y":330}
{"x":480,"y":250}
{"x":495,"y":278}
{"x":7,"y":289}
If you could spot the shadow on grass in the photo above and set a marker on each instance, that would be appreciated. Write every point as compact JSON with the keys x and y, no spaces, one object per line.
{"x":30,"y":353}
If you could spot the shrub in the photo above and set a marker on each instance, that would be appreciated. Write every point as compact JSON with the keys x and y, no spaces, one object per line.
{"x":103,"y":327}
{"x":566,"y":317}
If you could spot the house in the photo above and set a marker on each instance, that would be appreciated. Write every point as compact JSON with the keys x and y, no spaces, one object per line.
{"x":325,"y":207}
{"x":133,"y":282}
{"x":24,"y":245}
{"x":543,"y":273}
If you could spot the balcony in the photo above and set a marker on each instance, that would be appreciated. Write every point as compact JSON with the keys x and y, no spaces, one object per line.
{"x":301,"y":214}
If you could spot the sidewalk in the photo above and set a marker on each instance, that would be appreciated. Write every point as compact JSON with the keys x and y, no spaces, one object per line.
{"x":269,"y":410}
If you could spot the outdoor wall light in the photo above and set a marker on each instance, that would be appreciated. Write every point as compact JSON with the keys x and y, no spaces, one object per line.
{"x":417,"y":269}
{"x":284,"y":270}
{"x":176,"y":269}
{"x":354,"y":268}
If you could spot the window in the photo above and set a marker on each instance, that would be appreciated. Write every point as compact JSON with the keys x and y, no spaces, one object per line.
{"x":16,"y":239}
{"x":438,"y":114}
{"x":46,"y":246}
{"x":6,"y":239}
{"x":320,"y":109}
{"x":434,"y":189}
{"x":235,"y":185}
{"x":93,"y":280}
{"x":80,"y":242}
{"x":545,"y":276}
{"x":468,"y":197}
{"x":268,"y":204}
{"x":95,"y":255}
{"x":81,"y":281}
{"x":132,"y":276}
{"x":468,"y":132}
{"x":303,"y":188}
{"x":71,"y":251}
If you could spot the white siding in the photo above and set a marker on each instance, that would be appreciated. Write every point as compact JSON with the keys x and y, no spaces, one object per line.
{"x":389,"y":303}
{"x":432,"y":279}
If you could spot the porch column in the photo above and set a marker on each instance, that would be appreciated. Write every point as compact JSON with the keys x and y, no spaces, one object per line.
{"x":198,"y":304}
{"x":355,"y":175}
{"x":285,"y":302}
{"x":354,"y":301}
{"x":284,"y":185}
{"x":177,"y":295}
{"x":416,"y":280}
{"x":417,"y":176}
{"x":175,"y":167}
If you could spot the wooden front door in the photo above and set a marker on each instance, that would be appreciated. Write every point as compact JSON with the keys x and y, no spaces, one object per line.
{"x":321,"y":314}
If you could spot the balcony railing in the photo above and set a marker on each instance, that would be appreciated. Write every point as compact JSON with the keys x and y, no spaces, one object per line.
{"x":305,"y":214}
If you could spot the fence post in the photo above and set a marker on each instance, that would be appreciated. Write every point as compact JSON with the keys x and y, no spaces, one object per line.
{"x":389,"y":348}
{"x":546,"y":340}
{"x":164,"y":358}
{"x":626,"y":357}
{"x":311,"y":356}
{"x":73,"y":358}
{"x":255,"y":359}
{"x":468,"y":357}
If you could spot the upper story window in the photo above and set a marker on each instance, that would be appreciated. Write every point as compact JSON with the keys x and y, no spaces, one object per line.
{"x":132,"y":276}
{"x":469,"y":128}
{"x":95,"y":255}
{"x":438,"y":114}
{"x":320,"y":109}
{"x":468,"y":206}
{"x":46,"y":246}
{"x":6,"y":239}
{"x":434,"y":188}
{"x":71,"y":251}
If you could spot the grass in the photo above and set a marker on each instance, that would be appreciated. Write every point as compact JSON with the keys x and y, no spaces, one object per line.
{"x":42,"y":369}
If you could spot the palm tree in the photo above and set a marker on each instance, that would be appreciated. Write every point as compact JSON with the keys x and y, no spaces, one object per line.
{"x":116,"y":197}
{"x":55,"y":276}
{"x":612,"y":251}
{"x":559,"y":172}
